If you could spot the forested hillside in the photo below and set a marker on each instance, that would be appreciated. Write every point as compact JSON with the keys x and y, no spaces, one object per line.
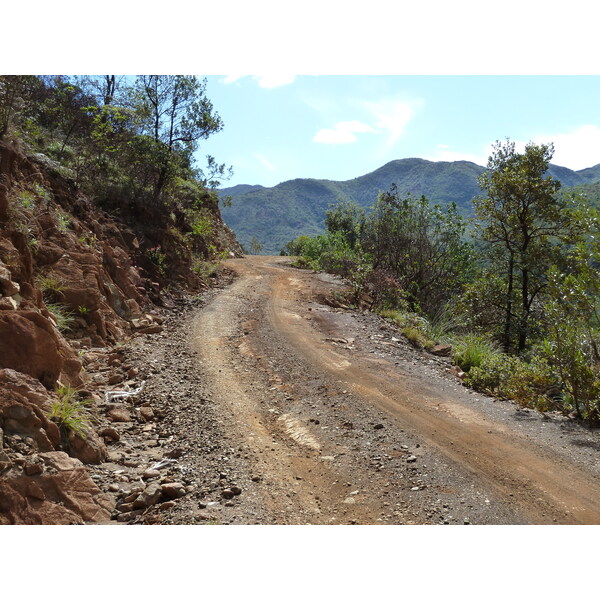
{"x":274,"y":216}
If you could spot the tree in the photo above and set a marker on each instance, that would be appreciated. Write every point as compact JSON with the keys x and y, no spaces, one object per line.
{"x":419,"y":245}
{"x":14,"y":90}
{"x":347,"y":218}
{"x":255,"y":246}
{"x":521,"y":221}
{"x":176,"y":114}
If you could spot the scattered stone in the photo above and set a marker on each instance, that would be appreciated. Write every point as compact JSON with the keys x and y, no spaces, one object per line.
{"x":456,"y":370}
{"x":411,"y":459}
{"x":119,"y":414}
{"x":150,"y":474}
{"x":33,"y":468}
{"x":236,"y":490}
{"x":175,"y":453}
{"x":110,"y":434}
{"x":227,"y":493}
{"x":166,"y":505}
{"x":173,"y":490}
{"x":115,"y":379}
{"x":89,"y":450}
{"x":146,"y":413}
{"x":441,"y":350}
{"x":151,"y":494}
{"x":152,"y":329}
{"x":378,"y":426}
{"x":350,"y":500}
{"x":125,"y":507}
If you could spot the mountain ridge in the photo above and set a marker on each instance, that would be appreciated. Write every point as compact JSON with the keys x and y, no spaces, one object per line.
{"x":275,"y":215}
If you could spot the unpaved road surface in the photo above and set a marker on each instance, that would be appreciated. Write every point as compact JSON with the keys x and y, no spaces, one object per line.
{"x":284,"y":410}
{"x":341,"y":428}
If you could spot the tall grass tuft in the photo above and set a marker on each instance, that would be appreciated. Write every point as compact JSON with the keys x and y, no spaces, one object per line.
{"x":63,"y":317}
{"x":471,"y":350}
{"x":445,"y":323}
{"x":71,"y":413}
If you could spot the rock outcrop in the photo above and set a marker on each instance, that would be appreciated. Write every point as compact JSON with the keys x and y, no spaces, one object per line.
{"x":73,"y":280}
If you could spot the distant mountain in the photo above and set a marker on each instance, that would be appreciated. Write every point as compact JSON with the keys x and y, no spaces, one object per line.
{"x":278,"y":214}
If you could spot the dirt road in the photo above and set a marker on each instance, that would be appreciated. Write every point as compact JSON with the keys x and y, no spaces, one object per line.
{"x":345,"y":424}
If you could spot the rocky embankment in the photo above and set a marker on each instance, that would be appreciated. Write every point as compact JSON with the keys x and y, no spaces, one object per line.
{"x":75,"y":283}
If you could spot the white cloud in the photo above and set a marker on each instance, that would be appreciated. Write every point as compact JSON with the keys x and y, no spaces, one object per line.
{"x":264,"y":81}
{"x":272,"y":81}
{"x":576,"y":150}
{"x":392,"y":115}
{"x":342,"y":133}
{"x":230,"y":79}
{"x":264,"y":161}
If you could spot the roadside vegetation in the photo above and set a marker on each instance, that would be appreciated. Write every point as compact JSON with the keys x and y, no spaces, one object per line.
{"x":128,"y":144}
{"x":514,"y":289}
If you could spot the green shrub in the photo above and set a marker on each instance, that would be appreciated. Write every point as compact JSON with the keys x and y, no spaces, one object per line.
{"x":532,"y":384}
{"x":159,"y":258}
{"x":471,"y":350}
{"x":71,"y":413}
{"x":205,"y":269}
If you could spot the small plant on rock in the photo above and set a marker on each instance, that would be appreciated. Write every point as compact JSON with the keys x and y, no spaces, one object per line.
{"x":63,"y":222}
{"x":62,"y":316}
{"x":159,"y":258}
{"x":51,"y":286}
{"x":71,"y":413}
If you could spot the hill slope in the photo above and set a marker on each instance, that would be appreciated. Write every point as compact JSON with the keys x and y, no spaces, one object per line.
{"x":278,"y":214}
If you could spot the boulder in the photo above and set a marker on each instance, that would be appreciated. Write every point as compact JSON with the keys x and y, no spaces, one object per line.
{"x":23,"y":401}
{"x":67,"y":496}
{"x":30,"y":343}
{"x":441,"y":350}
{"x":89,"y":450}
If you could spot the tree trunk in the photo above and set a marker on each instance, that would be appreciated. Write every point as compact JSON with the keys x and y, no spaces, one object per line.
{"x":523,"y":325}
{"x":509,"y":295}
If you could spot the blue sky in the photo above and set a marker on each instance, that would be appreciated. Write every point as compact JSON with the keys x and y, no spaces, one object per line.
{"x":281,"y":127}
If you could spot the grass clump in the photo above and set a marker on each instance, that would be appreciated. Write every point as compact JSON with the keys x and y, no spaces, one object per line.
{"x":472,"y":350}
{"x":444,"y":324}
{"x":412,"y":326}
{"x":63,"y":317}
{"x":71,"y":413}
{"x":50,"y":285}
